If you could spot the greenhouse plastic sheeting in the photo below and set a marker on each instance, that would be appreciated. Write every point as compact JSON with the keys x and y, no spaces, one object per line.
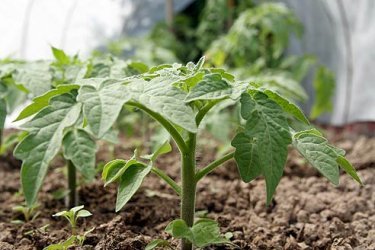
{"x":328,"y":24}
{"x":29,"y":27}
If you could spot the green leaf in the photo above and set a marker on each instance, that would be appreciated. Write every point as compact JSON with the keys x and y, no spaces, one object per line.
{"x":212,"y":87}
{"x":281,"y":83}
{"x":324,"y":86}
{"x":130,"y":182}
{"x":35,"y":77}
{"x":267,"y":128}
{"x":111,"y":169}
{"x":158,"y":243}
{"x":42,"y":101}
{"x":161,"y":149}
{"x":60,"y":56}
{"x":318,"y":153}
{"x":179,"y":230}
{"x":205,"y":232}
{"x":115,"y":169}
{"x":287,"y":106}
{"x":80,"y":148}
{"x":161,"y":97}
{"x":3,"y":113}
{"x":42,"y":144}
{"x":102,"y":105}
{"x":348,"y":168}
{"x":83,"y":213}
{"x":64,"y":245}
{"x":199,"y":64}
{"x":246,"y":157}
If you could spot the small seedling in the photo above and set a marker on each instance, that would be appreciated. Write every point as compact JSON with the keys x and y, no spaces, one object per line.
{"x":29,"y":213}
{"x":63,"y":245}
{"x":72,"y":216}
{"x":72,"y":241}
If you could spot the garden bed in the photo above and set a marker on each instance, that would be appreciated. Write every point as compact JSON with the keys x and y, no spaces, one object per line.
{"x":307,"y":212}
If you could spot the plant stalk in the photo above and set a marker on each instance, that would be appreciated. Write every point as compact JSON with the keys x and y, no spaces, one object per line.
{"x":72,"y":184}
{"x":212,"y":166}
{"x":188,"y":187}
{"x":167,"y":179}
{"x":165,"y":123}
{"x":1,"y":137}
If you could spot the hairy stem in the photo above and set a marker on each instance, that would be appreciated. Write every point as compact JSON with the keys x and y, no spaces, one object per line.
{"x":188,"y":187}
{"x":165,"y":123}
{"x":199,"y":117}
{"x":72,"y":183}
{"x":213,"y":165}
{"x":167,"y":179}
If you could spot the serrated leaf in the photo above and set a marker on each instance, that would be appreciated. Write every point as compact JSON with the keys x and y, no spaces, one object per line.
{"x":161,"y":97}
{"x":80,"y":148}
{"x":324,"y":86}
{"x":130,"y":182}
{"x":348,"y":168}
{"x":281,"y":83}
{"x":266,"y":124}
{"x":318,"y":153}
{"x":39,"y":102}
{"x":42,"y":144}
{"x":102,"y":105}
{"x":246,"y":157}
{"x":60,"y":56}
{"x":179,"y":230}
{"x":35,"y":77}
{"x":205,"y":232}
{"x":212,"y":87}
{"x":287,"y":106}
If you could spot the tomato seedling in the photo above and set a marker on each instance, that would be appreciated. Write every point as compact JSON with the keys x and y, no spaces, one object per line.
{"x":72,"y":216}
{"x":178,"y":97}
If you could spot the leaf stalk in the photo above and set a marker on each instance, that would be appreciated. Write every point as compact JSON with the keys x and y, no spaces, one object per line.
{"x":212,"y":166}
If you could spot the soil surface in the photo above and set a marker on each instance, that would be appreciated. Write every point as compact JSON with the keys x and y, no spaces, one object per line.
{"x":306,"y":213}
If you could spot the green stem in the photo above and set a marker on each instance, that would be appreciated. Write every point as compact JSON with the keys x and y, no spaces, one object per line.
{"x":72,"y":184}
{"x":199,"y":117}
{"x":188,"y":187}
{"x":165,"y":123}
{"x":1,"y":137}
{"x":167,"y":179}
{"x":210,"y":167}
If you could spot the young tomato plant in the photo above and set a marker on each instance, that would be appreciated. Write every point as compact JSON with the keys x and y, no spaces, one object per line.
{"x":72,"y":216}
{"x":179,"y":97}
{"x":75,"y":239}
{"x":58,"y":122}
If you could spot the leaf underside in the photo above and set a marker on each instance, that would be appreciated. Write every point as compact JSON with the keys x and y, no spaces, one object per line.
{"x":80,"y":148}
{"x":102,"y":104}
{"x":38,"y":148}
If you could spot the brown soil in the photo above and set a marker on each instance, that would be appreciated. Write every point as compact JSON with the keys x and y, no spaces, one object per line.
{"x":307,"y":211}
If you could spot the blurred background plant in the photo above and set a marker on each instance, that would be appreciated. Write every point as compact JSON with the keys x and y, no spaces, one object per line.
{"x":248,"y":39}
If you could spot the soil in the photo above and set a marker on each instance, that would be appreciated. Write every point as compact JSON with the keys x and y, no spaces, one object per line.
{"x":306,"y":213}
